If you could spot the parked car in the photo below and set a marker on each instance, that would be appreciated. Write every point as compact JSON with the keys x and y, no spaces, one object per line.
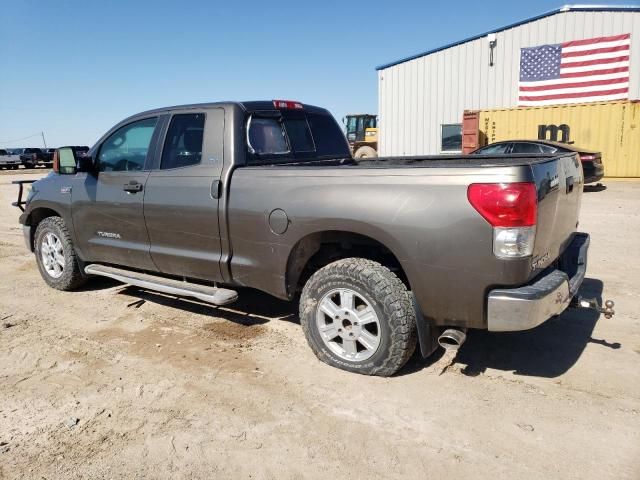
{"x":48,"y":156}
{"x":591,"y":160}
{"x":201,"y":200}
{"x":9,"y":160}
{"x":80,"y":150}
{"x":31,"y":157}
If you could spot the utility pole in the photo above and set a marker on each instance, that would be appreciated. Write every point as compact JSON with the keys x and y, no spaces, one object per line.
{"x":43,"y":140}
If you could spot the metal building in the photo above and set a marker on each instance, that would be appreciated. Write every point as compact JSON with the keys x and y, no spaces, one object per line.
{"x":421,"y":99}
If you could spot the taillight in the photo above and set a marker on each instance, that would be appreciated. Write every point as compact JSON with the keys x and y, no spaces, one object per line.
{"x":512,"y":210}
{"x":587,"y":158}
{"x":287,"y":104}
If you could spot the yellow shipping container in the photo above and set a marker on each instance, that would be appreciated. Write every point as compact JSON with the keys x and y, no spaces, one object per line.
{"x":612,"y":128}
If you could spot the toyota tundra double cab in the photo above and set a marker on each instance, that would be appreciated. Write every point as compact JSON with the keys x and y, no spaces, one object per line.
{"x":382,"y":254}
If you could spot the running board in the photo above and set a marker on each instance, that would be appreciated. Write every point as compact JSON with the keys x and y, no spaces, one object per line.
{"x":214,"y":295}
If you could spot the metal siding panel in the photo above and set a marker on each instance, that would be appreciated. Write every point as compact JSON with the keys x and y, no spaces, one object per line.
{"x":633,"y":22}
{"x":381,"y":111}
{"x":473,"y":79}
{"x":414,"y":108}
{"x":514,"y":67}
{"x":442,"y":98}
{"x":394,"y":115}
{"x":452,"y":80}
{"x":612,"y":128}
{"x":436,"y":99}
{"x":407,"y":102}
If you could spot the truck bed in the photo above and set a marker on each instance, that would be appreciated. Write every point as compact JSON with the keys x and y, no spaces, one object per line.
{"x":431,"y":161}
{"x":439,"y":161}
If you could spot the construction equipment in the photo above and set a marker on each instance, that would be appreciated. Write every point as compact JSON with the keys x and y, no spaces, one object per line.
{"x":362,"y":134}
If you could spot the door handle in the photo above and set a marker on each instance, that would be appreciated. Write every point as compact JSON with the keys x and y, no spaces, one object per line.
{"x":569,"y":185}
{"x":132,"y":187}
{"x":216,"y":189}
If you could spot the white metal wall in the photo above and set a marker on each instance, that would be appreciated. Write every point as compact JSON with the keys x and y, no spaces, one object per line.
{"x":416,"y":97}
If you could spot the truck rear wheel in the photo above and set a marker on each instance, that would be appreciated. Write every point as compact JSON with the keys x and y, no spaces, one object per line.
{"x":358,"y":316}
{"x":55,"y":255}
{"x":366,"y":152}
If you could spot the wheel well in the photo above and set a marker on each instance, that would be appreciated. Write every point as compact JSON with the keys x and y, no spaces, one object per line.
{"x":320,"y":249}
{"x":36,"y":216}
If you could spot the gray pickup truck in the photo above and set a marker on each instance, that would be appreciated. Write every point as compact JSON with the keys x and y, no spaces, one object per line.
{"x":9,"y":160}
{"x":199,"y":200}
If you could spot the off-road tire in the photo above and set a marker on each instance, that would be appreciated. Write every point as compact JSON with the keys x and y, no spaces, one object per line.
{"x":366,"y":152}
{"x":72,"y":276}
{"x":388,"y":296}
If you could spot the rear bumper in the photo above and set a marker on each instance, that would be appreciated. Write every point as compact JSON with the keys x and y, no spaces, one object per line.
{"x":528,"y":306}
{"x":593,"y":173}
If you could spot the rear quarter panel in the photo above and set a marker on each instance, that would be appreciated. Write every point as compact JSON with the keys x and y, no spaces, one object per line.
{"x":421,"y":214}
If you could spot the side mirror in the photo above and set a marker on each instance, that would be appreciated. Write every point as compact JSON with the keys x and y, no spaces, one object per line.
{"x":66,"y":162}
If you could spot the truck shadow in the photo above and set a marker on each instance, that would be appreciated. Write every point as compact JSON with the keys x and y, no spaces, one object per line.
{"x":546,"y":351}
{"x":251,"y":308}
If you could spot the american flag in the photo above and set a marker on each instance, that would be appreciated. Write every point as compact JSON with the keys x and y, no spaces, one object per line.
{"x":595,"y":69}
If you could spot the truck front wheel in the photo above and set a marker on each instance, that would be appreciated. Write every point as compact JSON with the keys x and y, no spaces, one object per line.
{"x":55,"y":255}
{"x":357,"y":315}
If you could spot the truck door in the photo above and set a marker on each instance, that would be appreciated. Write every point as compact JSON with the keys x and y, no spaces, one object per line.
{"x":107,"y":205}
{"x":181,"y":196}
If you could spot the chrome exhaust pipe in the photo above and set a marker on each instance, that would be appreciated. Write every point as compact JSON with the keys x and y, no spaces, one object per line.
{"x":452,"y":338}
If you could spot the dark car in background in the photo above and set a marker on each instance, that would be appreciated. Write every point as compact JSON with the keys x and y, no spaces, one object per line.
{"x":48,"y":156}
{"x":80,"y":150}
{"x":31,"y":157}
{"x":591,"y":160}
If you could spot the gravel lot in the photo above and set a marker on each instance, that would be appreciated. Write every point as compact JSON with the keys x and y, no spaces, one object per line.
{"x":116,"y":382}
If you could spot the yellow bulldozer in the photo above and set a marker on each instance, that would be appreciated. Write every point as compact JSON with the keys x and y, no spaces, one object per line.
{"x":362,"y":134}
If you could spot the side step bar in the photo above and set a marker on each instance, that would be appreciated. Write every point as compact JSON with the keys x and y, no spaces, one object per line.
{"x":214,"y":295}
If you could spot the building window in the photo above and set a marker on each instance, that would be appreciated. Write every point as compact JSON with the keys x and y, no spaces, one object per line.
{"x":451,"y":138}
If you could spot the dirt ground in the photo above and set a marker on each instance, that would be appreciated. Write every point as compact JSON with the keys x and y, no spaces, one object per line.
{"x":116,"y":382}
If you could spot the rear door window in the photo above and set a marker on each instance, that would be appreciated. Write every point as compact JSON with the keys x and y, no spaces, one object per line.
{"x":548,"y":149}
{"x":183,"y":144}
{"x":494,"y":149}
{"x":526,"y":148}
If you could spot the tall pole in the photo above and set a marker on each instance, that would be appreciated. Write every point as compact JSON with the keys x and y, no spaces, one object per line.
{"x":43,"y":140}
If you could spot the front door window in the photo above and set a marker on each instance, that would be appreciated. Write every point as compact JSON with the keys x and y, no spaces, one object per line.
{"x":126,"y":149}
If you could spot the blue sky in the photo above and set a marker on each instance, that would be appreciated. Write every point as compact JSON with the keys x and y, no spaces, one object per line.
{"x":74,"y":68}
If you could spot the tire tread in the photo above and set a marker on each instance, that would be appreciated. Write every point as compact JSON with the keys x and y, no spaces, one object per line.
{"x":392,"y":296}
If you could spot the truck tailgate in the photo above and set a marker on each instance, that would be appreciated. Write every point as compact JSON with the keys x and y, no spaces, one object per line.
{"x":559,"y":185}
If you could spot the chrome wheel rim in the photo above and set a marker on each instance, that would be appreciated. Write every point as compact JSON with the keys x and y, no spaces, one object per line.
{"x":348,"y":324}
{"x":52,"y":255}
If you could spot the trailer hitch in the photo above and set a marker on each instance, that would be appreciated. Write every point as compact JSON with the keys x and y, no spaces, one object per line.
{"x":592,"y":304}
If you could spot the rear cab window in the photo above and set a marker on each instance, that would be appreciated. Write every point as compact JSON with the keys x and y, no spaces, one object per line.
{"x":286,"y":136}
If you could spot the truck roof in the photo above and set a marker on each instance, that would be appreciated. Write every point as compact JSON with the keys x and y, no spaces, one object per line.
{"x":251,"y":105}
